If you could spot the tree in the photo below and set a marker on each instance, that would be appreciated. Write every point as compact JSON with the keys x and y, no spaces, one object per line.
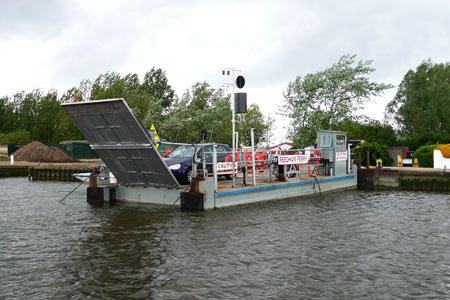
{"x":369,"y":130}
{"x":322,"y":100}
{"x":46,"y":121}
{"x":107,"y":86}
{"x":152,"y":100}
{"x":161,"y":97}
{"x":421,"y":107}
{"x":65,"y":129}
{"x":6,"y":115}
{"x":200,"y":108}
{"x":376,"y":151}
{"x":252,"y":119}
{"x":26,"y":108}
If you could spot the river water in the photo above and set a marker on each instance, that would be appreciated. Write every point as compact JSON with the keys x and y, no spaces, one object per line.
{"x":346,"y":245}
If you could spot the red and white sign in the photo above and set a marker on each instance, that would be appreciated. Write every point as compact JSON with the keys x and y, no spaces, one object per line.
{"x":226,"y":168}
{"x":341,"y":156}
{"x":292,"y":159}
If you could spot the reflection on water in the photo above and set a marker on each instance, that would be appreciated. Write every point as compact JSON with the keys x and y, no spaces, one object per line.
{"x":354,"y":244}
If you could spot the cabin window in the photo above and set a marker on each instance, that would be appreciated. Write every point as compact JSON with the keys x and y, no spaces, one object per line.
{"x":340,"y":140}
{"x":326,"y":141}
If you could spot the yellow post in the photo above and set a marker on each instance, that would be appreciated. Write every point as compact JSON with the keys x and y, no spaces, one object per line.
{"x":155,"y":135}
{"x":416,"y":163}
{"x":379,"y":163}
{"x":400,"y":161}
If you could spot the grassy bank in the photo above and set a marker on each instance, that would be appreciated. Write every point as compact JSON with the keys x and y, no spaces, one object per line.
{"x":13,"y":171}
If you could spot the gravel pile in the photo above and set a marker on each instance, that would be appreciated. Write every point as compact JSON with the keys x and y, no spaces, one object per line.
{"x":54,"y":154}
{"x":36,"y":151}
{"x":31,"y":152}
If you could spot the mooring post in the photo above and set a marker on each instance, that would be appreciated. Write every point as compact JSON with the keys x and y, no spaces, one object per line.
{"x":359,"y":159}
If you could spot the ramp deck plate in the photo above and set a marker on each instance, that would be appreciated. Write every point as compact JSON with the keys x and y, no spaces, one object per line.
{"x":122,"y":142}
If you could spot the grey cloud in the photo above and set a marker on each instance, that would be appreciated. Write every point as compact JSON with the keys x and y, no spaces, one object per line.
{"x":34,"y":18}
{"x":397,"y":36}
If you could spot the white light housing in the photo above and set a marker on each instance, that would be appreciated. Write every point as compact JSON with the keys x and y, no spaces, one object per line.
{"x":174,"y":167}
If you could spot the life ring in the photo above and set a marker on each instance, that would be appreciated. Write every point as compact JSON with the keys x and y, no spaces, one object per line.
{"x":230,"y":158}
{"x":262,"y":161}
{"x":316,"y":156}
{"x":248,"y":159}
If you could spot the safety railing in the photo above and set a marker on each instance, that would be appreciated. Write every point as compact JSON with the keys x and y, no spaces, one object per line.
{"x":267,"y":165}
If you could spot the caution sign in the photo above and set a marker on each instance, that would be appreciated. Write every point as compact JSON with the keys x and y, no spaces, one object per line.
{"x":226,"y":168}
{"x":155,"y":136}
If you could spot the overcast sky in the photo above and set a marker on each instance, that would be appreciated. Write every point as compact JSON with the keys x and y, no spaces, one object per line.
{"x":56,"y":44}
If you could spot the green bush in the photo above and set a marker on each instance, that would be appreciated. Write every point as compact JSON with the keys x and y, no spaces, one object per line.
{"x":424,"y":156}
{"x":15,"y":137}
{"x":376,"y":151}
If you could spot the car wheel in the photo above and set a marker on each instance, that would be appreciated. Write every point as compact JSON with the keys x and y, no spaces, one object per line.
{"x":188,"y":176}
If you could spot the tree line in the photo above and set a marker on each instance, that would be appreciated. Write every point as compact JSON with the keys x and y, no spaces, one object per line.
{"x":38,"y":115}
{"x":329,"y":99}
{"x":418,"y":115}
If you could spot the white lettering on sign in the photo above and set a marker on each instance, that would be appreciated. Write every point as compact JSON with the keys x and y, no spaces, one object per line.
{"x":226,"y":168}
{"x":340,"y":156}
{"x":292,"y":159}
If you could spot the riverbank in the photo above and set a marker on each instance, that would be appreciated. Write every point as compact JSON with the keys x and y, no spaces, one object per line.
{"x":406,"y":178}
{"x":3,"y":152}
{"x":21,"y":168}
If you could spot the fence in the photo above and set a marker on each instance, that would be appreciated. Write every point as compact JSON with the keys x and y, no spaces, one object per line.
{"x":75,"y":150}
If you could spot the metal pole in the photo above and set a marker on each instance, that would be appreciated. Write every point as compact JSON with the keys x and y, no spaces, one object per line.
{"x":204,"y":163}
{"x":194,"y":163}
{"x":233,"y":121}
{"x":233,"y":129}
{"x":349,"y":159}
{"x":215,"y":167}
{"x":252,"y":137}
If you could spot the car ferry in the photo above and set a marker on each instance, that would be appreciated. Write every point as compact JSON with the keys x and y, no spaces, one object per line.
{"x":142,"y":175}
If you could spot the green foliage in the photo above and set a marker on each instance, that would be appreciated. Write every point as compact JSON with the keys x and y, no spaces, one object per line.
{"x":15,"y":137}
{"x":424,"y":156}
{"x":369,"y":130}
{"x":161,"y":96}
{"x":376,"y":151}
{"x":202,"y":107}
{"x":6,"y":115}
{"x":421,"y":107}
{"x":153,"y":99}
{"x":326,"y":98}
{"x":46,"y":121}
{"x":42,"y":118}
{"x":252,"y":119}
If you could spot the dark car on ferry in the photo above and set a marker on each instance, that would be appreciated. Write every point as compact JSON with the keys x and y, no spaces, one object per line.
{"x":179,"y":161}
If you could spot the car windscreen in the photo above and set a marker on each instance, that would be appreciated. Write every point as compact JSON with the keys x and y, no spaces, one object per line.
{"x":182,"y":151}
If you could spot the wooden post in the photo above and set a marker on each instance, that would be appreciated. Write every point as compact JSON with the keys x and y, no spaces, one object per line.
{"x":367,"y":159}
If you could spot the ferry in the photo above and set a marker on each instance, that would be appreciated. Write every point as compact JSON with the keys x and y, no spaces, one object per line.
{"x":141,"y":175}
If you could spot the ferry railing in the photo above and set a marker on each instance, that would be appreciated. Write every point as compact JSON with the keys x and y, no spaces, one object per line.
{"x":244,"y":163}
{"x":264,"y":164}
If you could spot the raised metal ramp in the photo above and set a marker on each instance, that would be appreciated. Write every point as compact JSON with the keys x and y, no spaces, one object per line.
{"x":122,"y":142}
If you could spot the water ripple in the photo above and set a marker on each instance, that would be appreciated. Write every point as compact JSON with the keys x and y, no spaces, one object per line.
{"x":355,"y":244}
